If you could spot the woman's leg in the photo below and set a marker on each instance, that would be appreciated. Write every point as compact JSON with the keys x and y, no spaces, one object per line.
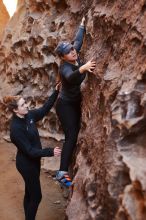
{"x":26,"y":200}
{"x":34,"y":189}
{"x":33,"y":193}
{"x":69,"y":116}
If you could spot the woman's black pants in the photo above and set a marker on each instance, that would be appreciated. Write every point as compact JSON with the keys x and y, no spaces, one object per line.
{"x":33,"y":195}
{"x":69,"y":114}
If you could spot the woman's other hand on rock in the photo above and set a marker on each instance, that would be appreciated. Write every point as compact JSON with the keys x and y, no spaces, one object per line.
{"x":58,"y":86}
{"x":83,"y":21}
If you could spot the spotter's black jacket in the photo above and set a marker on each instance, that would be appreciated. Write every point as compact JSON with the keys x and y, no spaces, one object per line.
{"x":25,"y":136}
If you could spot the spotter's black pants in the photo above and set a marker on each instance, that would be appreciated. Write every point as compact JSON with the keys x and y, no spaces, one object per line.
{"x":31,"y":176}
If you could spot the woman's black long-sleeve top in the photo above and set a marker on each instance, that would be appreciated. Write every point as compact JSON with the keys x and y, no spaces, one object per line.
{"x":71,"y":78}
{"x":25,"y":136}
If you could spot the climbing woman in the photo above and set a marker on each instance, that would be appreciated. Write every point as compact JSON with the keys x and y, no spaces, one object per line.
{"x":24,"y":135}
{"x":68,"y":107}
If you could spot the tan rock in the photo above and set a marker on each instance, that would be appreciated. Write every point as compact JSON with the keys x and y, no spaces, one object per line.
{"x":4,"y":17}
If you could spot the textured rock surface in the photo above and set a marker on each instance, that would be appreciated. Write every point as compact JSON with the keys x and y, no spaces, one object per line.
{"x":109,"y":172}
{"x":4,"y":17}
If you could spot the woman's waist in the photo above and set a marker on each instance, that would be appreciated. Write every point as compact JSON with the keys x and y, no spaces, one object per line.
{"x":71,"y":99}
{"x":70,"y":94}
{"x":20,"y":156}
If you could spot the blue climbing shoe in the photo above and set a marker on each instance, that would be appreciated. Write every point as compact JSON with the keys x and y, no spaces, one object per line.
{"x":63,"y":178}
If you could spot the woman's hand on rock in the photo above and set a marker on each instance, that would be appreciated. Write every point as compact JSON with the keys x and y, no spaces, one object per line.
{"x":89,"y":66}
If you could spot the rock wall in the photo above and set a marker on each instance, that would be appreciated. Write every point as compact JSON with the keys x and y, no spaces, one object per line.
{"x":109,"y":170}
{"x":4,"y":17}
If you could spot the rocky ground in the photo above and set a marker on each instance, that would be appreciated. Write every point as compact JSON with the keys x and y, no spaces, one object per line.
{"x":11,"y":191}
